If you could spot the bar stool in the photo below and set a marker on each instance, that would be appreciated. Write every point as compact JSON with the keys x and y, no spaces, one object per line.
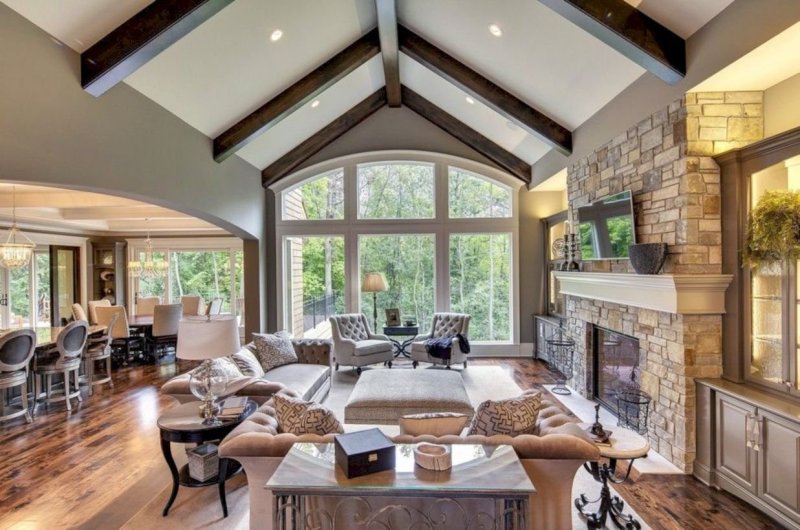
{"x":70,"y":344}
{"x":16,"y":350}
{"x":561,"y":352}
{"x":99,"y":350}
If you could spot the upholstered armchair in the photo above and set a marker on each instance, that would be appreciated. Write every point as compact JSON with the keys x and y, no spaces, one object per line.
{"x":354,"y":344}
{"x":444,"y":325}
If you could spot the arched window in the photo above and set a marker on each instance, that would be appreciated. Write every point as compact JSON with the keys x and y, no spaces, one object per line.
{"x":442,"y":230}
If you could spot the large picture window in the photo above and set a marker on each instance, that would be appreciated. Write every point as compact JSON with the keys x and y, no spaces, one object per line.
{"x":441,"y":230}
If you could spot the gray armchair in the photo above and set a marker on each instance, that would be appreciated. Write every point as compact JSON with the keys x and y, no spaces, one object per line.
{"x":444,"y":325}
{"x":354,"y":344}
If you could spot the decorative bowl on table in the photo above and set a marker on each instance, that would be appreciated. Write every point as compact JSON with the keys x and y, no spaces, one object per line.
{"x":435,"y":457}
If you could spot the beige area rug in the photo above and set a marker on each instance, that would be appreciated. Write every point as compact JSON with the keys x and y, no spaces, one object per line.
{"x":200,"y":508}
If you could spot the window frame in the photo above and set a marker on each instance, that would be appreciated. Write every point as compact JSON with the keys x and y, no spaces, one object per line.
{"x":441,"y":226}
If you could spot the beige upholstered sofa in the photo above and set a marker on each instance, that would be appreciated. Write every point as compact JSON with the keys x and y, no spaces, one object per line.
{"x":310,"y":377}
{"x":550,"y":458}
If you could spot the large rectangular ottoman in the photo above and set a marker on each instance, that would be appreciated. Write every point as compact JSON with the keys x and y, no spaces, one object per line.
{"x":383,"y":396}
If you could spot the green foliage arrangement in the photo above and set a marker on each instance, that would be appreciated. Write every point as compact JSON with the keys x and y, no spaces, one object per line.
{"x":773,"y":229}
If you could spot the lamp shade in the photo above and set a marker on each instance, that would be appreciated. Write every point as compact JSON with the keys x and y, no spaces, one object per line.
{"x":202,"y":338}
{"x":374,"y":282}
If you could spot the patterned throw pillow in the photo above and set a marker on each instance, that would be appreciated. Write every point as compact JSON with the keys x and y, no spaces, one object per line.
{"x":274,"y":350}
{"x":433,"y":423}
{"x":512,"y":416}
{"x":247,"y":363}
{"x":226,"y":365}
{"x":303,"y":417}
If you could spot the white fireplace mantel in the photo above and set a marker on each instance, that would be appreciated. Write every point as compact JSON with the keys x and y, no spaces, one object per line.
{"x":689,"y":294}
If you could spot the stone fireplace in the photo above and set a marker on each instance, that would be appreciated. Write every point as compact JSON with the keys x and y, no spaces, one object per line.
{"x":665,"y":161}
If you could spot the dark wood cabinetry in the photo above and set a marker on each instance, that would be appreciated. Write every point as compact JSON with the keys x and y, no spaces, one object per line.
{"x":107,"y":269}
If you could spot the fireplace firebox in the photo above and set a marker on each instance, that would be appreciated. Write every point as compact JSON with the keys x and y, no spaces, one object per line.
{"x":616,"y":366}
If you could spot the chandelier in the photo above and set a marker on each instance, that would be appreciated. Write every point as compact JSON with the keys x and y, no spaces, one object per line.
{"x":150,"y":266}
{"x":14,"y":255}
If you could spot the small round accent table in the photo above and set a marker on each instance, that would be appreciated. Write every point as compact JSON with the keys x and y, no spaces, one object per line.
{"x":625,"y":445}
{"x":183,"y":424}
{"x":401,"y":331}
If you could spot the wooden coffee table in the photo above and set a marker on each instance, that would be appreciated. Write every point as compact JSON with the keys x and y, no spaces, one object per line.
{"x":183,"y":424}
{"x":418,"y":497}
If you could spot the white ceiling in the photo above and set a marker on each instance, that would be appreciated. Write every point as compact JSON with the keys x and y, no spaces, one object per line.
{"x":228,"y":66}
{"x":81,"y":212}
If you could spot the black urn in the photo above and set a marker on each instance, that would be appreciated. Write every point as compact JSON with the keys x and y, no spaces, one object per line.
{"x":647,"y":258}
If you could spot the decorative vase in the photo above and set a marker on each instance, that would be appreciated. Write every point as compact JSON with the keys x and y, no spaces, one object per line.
{"x":435,"y":457}
{"x":647,"y":258}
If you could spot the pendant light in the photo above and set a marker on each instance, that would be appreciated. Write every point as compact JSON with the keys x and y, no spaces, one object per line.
{"x":13,"y":253}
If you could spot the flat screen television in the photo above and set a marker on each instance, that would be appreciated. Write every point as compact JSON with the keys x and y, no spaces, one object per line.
{"x":606,"y":227}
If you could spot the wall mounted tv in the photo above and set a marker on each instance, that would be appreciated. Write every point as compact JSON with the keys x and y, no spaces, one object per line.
{"x":606,"y":227}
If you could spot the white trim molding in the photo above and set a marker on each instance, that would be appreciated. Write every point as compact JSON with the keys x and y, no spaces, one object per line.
{"x":688,"y":294}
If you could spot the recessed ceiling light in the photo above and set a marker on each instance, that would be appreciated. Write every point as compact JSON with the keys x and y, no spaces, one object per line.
{"x":276,"y":35}
{"x":495,"y":30}
{"x":315,"y":104}
{"x":470,"y":100}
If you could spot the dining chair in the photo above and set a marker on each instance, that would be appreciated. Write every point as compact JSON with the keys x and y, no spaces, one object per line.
{"x":16,"y":351}
{"x":145,"y":304}
{"x":214,"y":307}
{"x":192,"y":305}
{"x":99,"y":349}
{"x":121,"y":336}
{"x":69,"y":345}
{"x":165,"y":328}
{"x":78,"y":313}
{"x":93,"y":305}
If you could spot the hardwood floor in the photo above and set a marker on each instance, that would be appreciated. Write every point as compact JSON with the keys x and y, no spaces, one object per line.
{"x":99,"y":465}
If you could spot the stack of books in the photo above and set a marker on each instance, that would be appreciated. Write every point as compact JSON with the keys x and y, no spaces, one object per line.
{"x":231,"y":408}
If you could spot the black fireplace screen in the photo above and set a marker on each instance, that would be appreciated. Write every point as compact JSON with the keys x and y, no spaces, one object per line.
{"x":616,"y":367}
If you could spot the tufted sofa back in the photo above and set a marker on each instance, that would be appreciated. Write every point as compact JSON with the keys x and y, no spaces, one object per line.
{"x":351,"y":326}
{"x":449,"y":325}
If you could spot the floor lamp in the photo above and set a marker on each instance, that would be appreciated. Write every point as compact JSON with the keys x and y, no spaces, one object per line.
{"x":374,"y":282}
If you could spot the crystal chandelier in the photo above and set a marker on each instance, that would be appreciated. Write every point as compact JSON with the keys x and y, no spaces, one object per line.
{"x":14,"y":255}
{"x":150,"y":267}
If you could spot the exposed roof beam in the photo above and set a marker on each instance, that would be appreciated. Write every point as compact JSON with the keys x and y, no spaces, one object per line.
{"x":387,"y":26}
{"x":486,"y":91}
{"x":140,"y":38}
{"x":630,"y":32}
{"x":297,"y":95}
{"x":510,"y":162}
{"x":291,"y":160}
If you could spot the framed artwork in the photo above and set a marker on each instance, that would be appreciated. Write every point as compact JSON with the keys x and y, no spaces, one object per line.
{"x":393,"y":317}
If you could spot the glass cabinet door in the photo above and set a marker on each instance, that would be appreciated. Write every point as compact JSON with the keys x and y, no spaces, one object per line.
{"x":767,"y":345}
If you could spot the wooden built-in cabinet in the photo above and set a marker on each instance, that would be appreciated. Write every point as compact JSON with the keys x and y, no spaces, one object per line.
{"x":107,"y":268}
{"x":748,"y":443}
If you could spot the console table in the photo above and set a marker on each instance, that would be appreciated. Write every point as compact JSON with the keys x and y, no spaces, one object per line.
{"x":486,"y":487}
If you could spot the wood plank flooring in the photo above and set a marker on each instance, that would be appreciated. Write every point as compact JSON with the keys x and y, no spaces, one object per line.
{"x":99,"y":465}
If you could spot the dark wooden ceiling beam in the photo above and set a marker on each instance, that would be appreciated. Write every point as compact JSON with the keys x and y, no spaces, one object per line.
{"x":297,"y":95}
{"x":630,"y":32}
{"x":292,"y":160}
{"x":390,"y":49}
{"x":508,"y":161}
{"x":492,"y":95}
{"x":140,"y":38}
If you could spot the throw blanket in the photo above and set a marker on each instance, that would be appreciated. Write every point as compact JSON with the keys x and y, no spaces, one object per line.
{"x":442,"y":347}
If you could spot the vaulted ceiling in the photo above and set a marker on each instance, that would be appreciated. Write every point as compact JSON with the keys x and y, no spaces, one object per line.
{"x":511,"y":78}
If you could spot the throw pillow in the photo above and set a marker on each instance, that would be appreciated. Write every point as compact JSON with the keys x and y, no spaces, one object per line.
{"x":226,"y":365}
{"x":274,"y":350}
{"x":297,"y":416}
{"x":247,"y":363}
{"x":433,"y":423}
{"x":513,"y":416}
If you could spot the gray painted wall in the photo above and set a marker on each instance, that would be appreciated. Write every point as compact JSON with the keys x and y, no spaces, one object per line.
{"x":782,"y":106}
{"x":52,"y":132}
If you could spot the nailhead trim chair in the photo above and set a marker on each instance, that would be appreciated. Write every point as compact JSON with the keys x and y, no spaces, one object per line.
{"x":354,"y":344}
{"x":16,"y":351}
{"x":443,"y":325}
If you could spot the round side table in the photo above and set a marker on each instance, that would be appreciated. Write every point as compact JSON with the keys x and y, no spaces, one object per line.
{"x":183,"y":424}
{"x":625,"y":445}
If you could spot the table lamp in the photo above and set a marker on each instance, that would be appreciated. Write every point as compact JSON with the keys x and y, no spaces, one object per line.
{"x":203,"y":339}
{"x":374,"y":282}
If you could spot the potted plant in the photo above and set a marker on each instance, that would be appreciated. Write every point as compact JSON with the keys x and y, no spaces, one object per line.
{"x":773,"y":229}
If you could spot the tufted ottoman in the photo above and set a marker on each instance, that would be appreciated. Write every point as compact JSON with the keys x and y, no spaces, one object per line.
{"x":382,"y":396}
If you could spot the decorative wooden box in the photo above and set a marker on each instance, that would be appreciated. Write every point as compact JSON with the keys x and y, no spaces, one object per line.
{"x":364,"y":452}
{"x":203,"y":462}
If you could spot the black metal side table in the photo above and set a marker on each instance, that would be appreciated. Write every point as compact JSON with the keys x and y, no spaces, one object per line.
{"x":561,"y":352}
{"x":184,"y":424}
{"x":400,"y":348}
